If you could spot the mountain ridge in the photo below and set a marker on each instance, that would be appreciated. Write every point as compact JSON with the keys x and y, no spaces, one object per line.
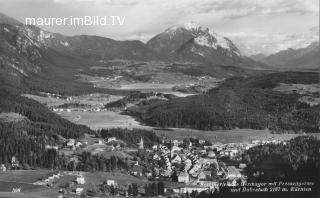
{"x":306,"y":57}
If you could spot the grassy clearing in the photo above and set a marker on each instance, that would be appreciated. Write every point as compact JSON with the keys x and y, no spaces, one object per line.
{"x":99,"y":120}
{"x":20,"y":195}
{"x":24,"y":176}
{"x":7,"y":186}
{"x":226,"y":136}
{"x":121,"y":178}
{"x":48,"y":101}
{"x":12,"y":117}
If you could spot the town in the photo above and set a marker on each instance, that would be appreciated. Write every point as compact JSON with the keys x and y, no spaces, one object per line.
{"x":169,"y":167}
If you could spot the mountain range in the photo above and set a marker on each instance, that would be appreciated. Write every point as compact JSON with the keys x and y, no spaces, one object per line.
{"x":302,"y":58}
{"x":30,"y":56}
{"x":188,"y":42}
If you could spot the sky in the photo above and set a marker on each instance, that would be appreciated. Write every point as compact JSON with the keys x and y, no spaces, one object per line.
{"x":255,"y":26}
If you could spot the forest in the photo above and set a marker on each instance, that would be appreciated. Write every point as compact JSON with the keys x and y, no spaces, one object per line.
{"x":239,"y":102}
{"x":296,"y":160}
{"x":39,"y":115}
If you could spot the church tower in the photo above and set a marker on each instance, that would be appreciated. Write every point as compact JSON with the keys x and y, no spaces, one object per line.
{"x":141,"y":143}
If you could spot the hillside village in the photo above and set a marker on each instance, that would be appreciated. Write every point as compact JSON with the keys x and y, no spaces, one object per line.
{"x":181,"y":166}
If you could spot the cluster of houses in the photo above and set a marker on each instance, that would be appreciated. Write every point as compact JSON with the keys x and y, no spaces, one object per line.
{"x":49,"y":180}
{"x":201,"y":167}
{"x":13,"y":166}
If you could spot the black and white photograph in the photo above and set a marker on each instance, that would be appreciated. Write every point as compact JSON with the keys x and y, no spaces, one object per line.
{"x":159,"y":99}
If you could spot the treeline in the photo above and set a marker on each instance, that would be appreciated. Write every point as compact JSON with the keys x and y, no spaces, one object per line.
{"x":131,"y":137}
{"x":239,"y":103}
{"x":154,"y":189}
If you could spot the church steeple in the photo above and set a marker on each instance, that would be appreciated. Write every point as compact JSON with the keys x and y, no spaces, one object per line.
{"x":141,"y":144}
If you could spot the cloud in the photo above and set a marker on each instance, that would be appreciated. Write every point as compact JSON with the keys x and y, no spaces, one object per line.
{"x":255,"y":43}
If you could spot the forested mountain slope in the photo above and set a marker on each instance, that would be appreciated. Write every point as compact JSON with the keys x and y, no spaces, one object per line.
{"x":241,"y":102}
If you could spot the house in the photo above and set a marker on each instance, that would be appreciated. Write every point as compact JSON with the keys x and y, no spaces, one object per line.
{"x":79,"y":191}
{"x":78,"y":144}
{"x":155,"y":147}
{"x":52,"y":147}
{"x":100,"y":142}
{"x":14,"y":162}
{"x":208,"y":161}
{"x":71,"y":143}
{"x":176,"y":190}
{"x":175,"y":143}
{"x":3,"y":168}
{"x":16,"y":190}
{"x":232,"y":173}
{"x":203,"y":151}
{"x":176,"y":159}
{"x":80,"y":180}
{"x":211,"y":154}
{"x":242,"y":165}
{"x":148,"y":174}
{"x":110,"y":139}
{"x":202,"y":176}
{"x":256,"y":142}
{"x":110,"y":182}
{"x":229,"y":152}
{"x":183,"y":177}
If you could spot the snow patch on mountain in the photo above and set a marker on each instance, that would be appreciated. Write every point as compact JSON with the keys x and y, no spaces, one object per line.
{"x":204,"y":37}
{"x":191,"y":26}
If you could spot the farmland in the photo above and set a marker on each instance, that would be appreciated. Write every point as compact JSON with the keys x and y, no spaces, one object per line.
{"x":98,"y":120}
{"x":227,"y":136}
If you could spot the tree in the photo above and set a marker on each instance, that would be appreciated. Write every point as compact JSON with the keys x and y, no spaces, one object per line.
{"x":161,"y":188}
{"x":130,"y":191}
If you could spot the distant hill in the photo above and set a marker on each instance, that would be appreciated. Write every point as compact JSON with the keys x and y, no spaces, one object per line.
{"x":303,"y":58}
{"x":258,"y":57}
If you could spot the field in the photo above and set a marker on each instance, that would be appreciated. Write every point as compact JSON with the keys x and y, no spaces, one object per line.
{"x":92,"y":100}
{"x":99,"y":120}
{"x":93,"y":119}
{"x":149,"y":87}
{"x":226,"y":136}
{"x":24,"y":176}
{"x":151,"y":76}
{"x":120,"y":178}
{"x":105,"y":151}
{"x":20,"y":195}
{"x":24,"y":180}
{"x":48,"y":101}
{"x":12,"y":117}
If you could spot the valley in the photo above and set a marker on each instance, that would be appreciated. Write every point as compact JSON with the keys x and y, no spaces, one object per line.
{"x":184,"y":114}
